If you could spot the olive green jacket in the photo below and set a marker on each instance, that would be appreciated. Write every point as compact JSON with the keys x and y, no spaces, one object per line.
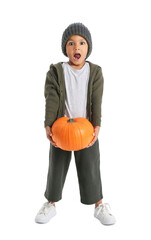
{"x":55,"y":94}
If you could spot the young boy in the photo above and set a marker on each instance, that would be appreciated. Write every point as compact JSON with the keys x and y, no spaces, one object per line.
{"x":74,"y":89}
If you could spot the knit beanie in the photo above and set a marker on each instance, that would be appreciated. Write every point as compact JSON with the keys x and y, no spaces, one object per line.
{"x":76,"y":29}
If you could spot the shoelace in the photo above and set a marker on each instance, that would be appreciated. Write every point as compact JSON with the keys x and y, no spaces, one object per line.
{"x":104,"y":207}
{"x":44,"y":208}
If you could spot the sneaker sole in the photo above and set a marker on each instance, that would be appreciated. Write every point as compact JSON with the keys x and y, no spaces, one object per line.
{"x":111,"y":223}
{"x":45,"y":220}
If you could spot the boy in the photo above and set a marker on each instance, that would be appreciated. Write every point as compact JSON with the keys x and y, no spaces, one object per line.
{"x":74,"y":89}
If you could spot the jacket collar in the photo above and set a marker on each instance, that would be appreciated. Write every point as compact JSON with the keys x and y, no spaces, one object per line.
{"x":58,"y":67}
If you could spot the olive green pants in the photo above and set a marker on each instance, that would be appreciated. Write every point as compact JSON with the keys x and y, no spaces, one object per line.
{"x":88,"y":171}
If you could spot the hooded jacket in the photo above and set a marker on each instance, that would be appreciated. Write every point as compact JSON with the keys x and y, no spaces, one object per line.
{"x":55,"y":94}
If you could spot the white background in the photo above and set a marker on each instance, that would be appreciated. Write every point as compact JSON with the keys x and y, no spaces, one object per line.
{"x":30,"y":41}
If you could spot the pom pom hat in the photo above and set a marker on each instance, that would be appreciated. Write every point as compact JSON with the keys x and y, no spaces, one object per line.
{"x":76,"y":29}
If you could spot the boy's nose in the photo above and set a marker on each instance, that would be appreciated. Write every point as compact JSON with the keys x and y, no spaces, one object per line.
{"x":77,"y":46}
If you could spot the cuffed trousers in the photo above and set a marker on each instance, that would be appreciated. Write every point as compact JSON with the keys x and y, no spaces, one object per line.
{"x":88,"y":171}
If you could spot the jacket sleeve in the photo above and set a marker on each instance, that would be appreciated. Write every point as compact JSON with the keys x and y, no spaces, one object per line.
{"x":97,"y":93}
{"x":51,"y":93}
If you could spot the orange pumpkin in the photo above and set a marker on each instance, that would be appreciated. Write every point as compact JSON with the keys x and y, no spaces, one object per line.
{"x":72,"y":134}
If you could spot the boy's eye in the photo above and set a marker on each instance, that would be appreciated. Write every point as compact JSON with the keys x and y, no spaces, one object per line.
{"x":82,"y":43}
{"x":71,"y":43}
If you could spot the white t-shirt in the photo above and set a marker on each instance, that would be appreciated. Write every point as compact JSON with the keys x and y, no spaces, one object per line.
{"x":76,"y":84}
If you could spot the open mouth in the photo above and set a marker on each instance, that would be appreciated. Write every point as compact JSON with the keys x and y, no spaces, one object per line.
{"x":77,"y":56}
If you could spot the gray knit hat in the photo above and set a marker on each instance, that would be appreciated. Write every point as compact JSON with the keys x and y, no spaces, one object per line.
{"x":76,"y":29}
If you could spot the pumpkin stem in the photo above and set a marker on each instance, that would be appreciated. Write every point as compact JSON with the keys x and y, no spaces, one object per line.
{"x":70,"y":120}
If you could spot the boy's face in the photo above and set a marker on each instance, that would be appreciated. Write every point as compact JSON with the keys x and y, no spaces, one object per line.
{"x":76,"y":49}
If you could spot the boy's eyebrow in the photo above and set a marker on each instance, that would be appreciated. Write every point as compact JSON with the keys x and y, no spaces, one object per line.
{"x":79,"y":39}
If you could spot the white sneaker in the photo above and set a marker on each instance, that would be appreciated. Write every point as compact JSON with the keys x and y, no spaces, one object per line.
{"x":47,"y":211}
{"x":102,"y":212}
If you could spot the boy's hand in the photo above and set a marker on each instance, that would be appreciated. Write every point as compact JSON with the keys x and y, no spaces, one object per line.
{"x":95,"y":134}
{"x":49,"y":135}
